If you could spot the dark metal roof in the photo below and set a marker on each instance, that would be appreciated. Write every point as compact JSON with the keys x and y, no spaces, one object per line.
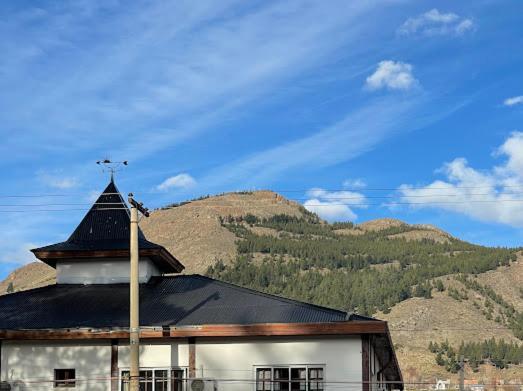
{"x":105,"y":227}
{"x":164,"y":301}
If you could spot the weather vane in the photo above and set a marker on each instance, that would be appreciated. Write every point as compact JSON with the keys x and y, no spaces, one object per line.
{"x":111,"y":166}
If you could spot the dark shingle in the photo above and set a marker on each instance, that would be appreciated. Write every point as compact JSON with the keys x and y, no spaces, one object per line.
{"x":181,"y":300}
{"x":106,"y":228}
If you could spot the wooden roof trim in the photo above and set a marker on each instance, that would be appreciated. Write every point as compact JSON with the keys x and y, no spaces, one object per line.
{"x":282,"y":329}
{"x":394,"y":357}
{"x":159,"y":253}
{"x":228,"y":330}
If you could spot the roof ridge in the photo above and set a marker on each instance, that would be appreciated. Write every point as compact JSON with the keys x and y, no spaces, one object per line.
{"x":263,"y":294}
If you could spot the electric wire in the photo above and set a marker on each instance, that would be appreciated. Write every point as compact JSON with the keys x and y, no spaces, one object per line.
{"x":325,"y":204}
{"x":451,"y":187}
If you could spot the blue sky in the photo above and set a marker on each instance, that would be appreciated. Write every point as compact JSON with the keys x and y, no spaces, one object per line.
{"x":359,"y":110}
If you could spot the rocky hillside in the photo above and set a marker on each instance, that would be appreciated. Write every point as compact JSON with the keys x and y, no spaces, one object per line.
{"x":417,"y":321}
{"x":194,"y":234}
{"x":33,"y":275}
{"x":383,"y":267}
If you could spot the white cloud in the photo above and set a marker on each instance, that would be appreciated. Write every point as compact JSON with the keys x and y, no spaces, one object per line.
{"x":335,"y":205}
{"x":20,"y":255}
{"x":180,"y":181}
{"x":57,"y":180}
{"x":434,"y":22}
{"x":513,"y":149}
{"x":493,"y":195}
{"x":392,"y":75}
{"x":354,"y":183}
{"x":92,"y":195}
{"x":464,"y":26}
{"x":515,"y":100}
{"x":23,"y":231}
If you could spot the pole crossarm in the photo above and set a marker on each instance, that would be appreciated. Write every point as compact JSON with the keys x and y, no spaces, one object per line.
{"x":138,"y":205}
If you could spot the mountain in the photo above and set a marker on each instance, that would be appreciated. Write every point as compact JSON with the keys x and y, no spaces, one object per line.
{"x":429,"y":285}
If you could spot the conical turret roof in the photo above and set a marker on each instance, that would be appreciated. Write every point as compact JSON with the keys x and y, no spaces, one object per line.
{"x":105,"y":232}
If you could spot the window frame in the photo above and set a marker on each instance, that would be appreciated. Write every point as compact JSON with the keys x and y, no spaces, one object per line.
{"x":272,"y":367}
{"x":153,"y":378}
{"x":64,"y":383}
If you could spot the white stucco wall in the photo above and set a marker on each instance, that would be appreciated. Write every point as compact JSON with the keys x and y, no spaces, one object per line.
{"x":32,"y":364}
{"x":218,"y":359}
{"x":106,"y":271}
{"x":173,"y":354}
{"x":223,"y":359}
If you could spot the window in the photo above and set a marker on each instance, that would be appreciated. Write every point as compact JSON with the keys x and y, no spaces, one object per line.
{"x":281,"y":379}
{"x":161,"y":380}
{"x":292,"y":378}
{"x":263,"y":379}
{"x":64,"y":378}
{"x":156,"y":380}
{"x":315,"y":379}
{"x":298,"y":379}
{"x":177,"y":378}
{"x":146,"y":380}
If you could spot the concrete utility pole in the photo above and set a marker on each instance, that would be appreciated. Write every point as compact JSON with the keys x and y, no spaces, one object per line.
{"x":461,"y":374}
{"x":134,"y":332}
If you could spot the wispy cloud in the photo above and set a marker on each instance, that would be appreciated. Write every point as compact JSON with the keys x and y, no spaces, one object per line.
{"x":434,"y":22}
{"x":20,"y":233}
{"x":334,"y":205}
{"x":19,"y":255}
{"x":358,"y":132}
{"x":493,"y":195}
{"x":180,"y":181}
{"x":357,"y":183}
{"x":143,"y":74}
{"x":57,"y":180}
{"x":515,"y":100}
{"x":393,"y":75}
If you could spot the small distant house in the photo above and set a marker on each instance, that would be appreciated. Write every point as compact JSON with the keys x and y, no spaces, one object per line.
{"x":197,"y":333}
{"x":442,"y":385}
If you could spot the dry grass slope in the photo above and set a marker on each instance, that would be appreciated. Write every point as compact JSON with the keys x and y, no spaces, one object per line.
{"x":33,"y":275}
{"x":193,"y":232}
{"x":416,"y":321}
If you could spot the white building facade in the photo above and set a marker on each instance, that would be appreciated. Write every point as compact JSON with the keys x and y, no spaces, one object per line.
{"x":224,"y":364}
{"x":196,"y":333}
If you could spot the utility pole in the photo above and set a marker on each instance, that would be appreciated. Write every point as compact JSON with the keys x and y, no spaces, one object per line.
{"x":134,"y":330}
{"x":461,"y":373}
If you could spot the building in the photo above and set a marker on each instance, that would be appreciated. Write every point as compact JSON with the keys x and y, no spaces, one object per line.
{"x":197,"y":333}
{"x":442,"y":384}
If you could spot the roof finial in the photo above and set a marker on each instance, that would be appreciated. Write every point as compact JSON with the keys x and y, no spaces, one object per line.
{"x":111,"y":166}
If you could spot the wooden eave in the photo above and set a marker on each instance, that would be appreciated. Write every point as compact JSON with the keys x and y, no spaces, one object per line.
{"x":160,"y":256}
{"x":219,"y":330}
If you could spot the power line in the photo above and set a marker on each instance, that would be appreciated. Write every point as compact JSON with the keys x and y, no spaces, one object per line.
{"x":451,"y":187}
{"x":396,"y":188}
{"x":63,"y":204}
{"x":325,"y":204}
{"x":330,"y":197}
